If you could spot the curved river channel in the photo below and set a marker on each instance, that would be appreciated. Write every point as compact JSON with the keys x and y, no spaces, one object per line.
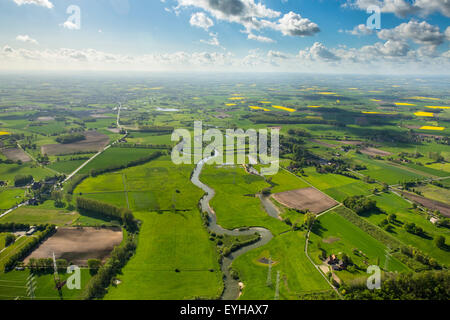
{"x":231,"y":286}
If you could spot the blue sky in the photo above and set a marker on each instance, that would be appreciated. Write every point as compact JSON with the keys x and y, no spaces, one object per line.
{"x":301,"y":35}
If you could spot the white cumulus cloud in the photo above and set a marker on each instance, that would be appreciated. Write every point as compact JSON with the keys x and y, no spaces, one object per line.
{"x":26,"y":38}
{"x":42,"y":3}
{"x":201,"y":20}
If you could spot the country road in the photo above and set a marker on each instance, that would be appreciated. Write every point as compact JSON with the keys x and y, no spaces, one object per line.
{"x":80,"y":167}
{"x":101,"y":151}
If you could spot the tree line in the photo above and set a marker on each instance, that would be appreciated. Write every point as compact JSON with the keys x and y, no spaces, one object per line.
{"x":97,"y":286}
{"x":124,"y":215}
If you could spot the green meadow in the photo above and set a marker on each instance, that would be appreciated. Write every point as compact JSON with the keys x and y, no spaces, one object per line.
{"x":10,"y":197}
{"x":235,"y":203}
{"x":115,"y":157}
{"x":13,"y":285}
{"x":391,"y":203}
{"x":384,"y":172}
{"x":297,"y":275}
{"x":336,"y":235}
{"x":167,"y":264}
{"x":337,"y":186}
{"x":32,"y":216}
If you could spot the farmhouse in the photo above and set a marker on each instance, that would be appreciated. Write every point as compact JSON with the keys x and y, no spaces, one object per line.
{"x":335,"y":263}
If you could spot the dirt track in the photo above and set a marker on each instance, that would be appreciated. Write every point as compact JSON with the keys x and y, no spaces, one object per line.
{"x":308,"y":198}
{"x":94,"y":142}
{"x":77,"y":245}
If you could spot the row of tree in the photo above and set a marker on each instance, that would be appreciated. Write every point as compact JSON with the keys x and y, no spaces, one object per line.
{"x":45,"y":265}
{"x":98,"y":284}
{"x":14,"y":226}
{"x":124,"y":215}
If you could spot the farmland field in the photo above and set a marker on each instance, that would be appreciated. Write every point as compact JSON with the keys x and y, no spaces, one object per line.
{"x":391,"y":203}
{"x":335,"y":235}
{"x":235,"y":203}
{"x":174,"y":227}
{"x":287,"y":252}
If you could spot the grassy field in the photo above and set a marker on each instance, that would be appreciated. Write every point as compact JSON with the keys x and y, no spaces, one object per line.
{"x":337,"y":186}
{"x":167,"y":242}
{"x":10,"y":197}
{"x":234,"y":203}
{"x":297,"y":274}
{"x":115,"y":157}
{"x":10,"y":171}
{"x":31,"y":215}
{"x":13,"y":286}
{"x":66,"y":167}
{"x":336,"y":235}
{"x":384,"y":172}
{"x":285,"y":181}
{"x":11,"y":250}
{"x":2,"y":240}
{"x":158,"y":185}
{"x":391,"y":203}
{"x":434,"y":192}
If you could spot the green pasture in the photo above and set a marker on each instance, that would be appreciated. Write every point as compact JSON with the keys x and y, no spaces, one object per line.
{"x":234,"y":202}
{"x":297,"y":274}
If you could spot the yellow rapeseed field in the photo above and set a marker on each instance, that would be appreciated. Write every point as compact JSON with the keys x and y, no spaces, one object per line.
{"x":258,"y":108}
{"x":231,"y":104}
{"x":437,"y":107}
{"x":284,"y":108}
{"x":313,"y":106}
{"x":4,"y":133}
{"x":404,"y":104}
{"x":424,"y":114}
{"x":432,"y":128}
{"x":422,"y":98}
{"x":327,"y":93}
{"x":236,"y":98}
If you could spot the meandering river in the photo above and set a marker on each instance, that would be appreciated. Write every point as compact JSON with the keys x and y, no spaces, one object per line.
{"x":231,"y":286}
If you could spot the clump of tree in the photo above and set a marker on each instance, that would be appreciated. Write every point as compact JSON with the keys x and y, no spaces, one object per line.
{"x":9,"y":239}
{"x":428,"y":285}
{"x":22,"y":180}
{"x":414,"y":229}
{"x":94,"y":265}
{"x":70,"y":138}
{"x":361,"y":204}
{"x":440,"y":242}
{"x":309,"y":219}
